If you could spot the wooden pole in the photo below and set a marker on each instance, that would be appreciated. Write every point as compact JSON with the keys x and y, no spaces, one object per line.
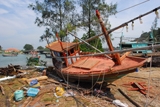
{"x":116,"y":58}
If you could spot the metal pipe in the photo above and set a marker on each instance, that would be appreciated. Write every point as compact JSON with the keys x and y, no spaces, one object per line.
{"x":111,"y":52}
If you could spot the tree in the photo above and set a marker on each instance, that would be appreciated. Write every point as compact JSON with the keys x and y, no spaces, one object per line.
{"x":88,"y":17}
{"x":96,"y":43}
{"x":28,"y":47}
{"x":48,"y":34}
{"x":57,"y":15}
{"x":90,"y":21}
{"x":40,"y":47}
{"x":0,"y":47}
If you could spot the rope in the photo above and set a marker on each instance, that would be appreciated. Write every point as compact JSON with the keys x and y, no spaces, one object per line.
{"x":149,"y":79}
{"x":132,"y":6}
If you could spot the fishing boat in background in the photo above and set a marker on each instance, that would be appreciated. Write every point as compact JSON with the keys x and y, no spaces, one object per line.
{"x":9,"y":54}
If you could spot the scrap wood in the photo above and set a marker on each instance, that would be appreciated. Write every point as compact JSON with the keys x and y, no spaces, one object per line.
{"x":22,"y":82}
{"x":136,"y":77}
{"x":105,"y":98}
{"x":38,"y":78}
{"x":134,"y":103}
{"x":27,"y":102}
{"x":47,"y":103}
{"x":7,"y":102}
{"x":44,"y":91}
{"x":40,"y":94}
{"x":51,"y":80}
{"x":138,"y":86}
{"x":2,"y":89}
{"x":33,"y":102}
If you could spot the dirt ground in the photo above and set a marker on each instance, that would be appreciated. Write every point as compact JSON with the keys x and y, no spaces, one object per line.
{"x":149,"y":77}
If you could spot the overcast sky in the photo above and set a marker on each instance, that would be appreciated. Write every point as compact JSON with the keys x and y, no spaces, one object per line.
{"x":17,"y":26}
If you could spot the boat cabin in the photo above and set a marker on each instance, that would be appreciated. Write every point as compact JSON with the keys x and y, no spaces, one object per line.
{"x":64,"y":49}
{"x":127,"y":45}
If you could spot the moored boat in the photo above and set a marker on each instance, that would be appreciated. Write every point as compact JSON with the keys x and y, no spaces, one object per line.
{"x":9,"y":54}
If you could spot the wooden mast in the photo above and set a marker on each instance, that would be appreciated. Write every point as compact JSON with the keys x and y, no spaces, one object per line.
{"x":62,"y":49}
{"x":116,"y":56}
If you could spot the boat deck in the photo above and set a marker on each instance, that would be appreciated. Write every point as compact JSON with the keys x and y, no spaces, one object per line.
{"x":96,"y":65}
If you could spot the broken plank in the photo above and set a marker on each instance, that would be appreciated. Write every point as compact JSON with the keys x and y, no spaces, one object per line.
{"x":27,"y":102}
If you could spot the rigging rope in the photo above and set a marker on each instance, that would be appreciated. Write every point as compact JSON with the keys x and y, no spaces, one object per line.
{"x":149,"y":79}
{"x":132,"y":6}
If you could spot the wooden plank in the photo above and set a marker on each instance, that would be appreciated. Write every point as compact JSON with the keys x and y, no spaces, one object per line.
{"x":139,"y":86}
{"x":2,"y":89}
{"x":86,"y":64}
{"x":27,"y":101}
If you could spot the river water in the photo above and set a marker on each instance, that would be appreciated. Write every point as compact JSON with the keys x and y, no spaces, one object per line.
{"x":20,"y":59}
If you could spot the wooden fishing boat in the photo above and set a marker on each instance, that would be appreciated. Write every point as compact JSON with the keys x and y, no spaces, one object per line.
{"x":73,"y":65}
{"x":9,"y":54}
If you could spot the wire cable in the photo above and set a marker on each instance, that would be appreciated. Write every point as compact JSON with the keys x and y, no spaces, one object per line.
{"x":132,"y":6}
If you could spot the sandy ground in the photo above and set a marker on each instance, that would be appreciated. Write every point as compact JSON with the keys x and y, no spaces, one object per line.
{"x":149,"y":76}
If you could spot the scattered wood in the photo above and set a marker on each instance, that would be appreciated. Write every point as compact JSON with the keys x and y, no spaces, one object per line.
{"x":2,"y":89}
{"x":53,"y":81}
{"x":38,"y":78}
{"x":41,"y":93}
{"x":10,"y":70}
{"x":7,"y":102}
{"x":137,"y":77}
{"x":134,"y":103}
{"x":47,"y":103}
{"x":27,"y":102}
{"x":35,"y":100}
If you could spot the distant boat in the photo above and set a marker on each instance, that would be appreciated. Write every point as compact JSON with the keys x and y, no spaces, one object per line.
{"x":34,"y":60}
{"x":9,"y":54}
{"x":47,"y":54}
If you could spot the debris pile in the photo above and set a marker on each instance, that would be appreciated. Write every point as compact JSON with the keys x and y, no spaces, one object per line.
{"x":32,"y":88}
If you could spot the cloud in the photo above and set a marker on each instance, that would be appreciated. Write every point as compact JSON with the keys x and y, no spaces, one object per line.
{"x":17,"y":21}
{"x":17,"y":25}
{"x":3,"y":11}
{"x":5,"y":3}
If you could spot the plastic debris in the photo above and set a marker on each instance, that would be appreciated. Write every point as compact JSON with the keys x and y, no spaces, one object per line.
{"x":68,"y":94}
{"x":32,"y":92}
{"x":59,"y":91}
{"x":7,"y":78}
{"x":119,"y":103}
{"x":18,"y":95}
{"x":33,"y":82}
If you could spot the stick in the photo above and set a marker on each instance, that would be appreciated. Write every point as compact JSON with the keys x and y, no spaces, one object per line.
{"x":134,"y":103}
{"x":2,"y":89}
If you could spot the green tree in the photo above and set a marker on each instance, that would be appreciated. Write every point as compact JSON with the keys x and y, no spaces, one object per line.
{"x":89,"y":19}
{"x":90,"y":22}
{"x":40,"y":47}
{"x":0,"y":47}
{"x":96,"y":43}
{"x":57,"y":15}
{"x":28,"y":47}
{"x":48,"y":34}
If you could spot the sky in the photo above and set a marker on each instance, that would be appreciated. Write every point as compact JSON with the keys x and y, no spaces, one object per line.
{"x":17,"y":26}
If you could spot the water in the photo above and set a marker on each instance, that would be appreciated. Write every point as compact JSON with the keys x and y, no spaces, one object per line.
{"x":20,"y":59}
